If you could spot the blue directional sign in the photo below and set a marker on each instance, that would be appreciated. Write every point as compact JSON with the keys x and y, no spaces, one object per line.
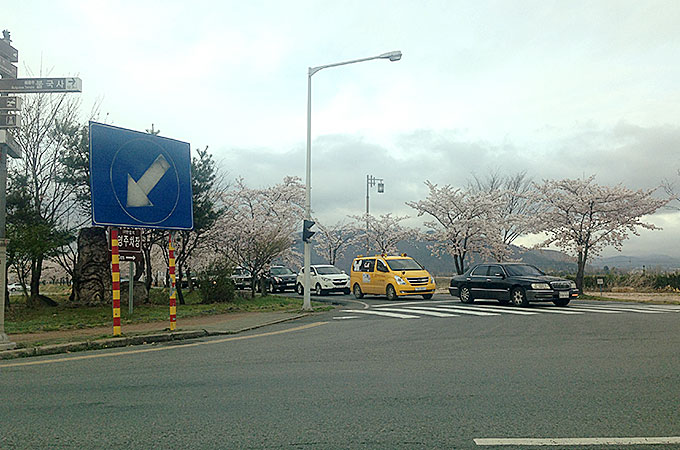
{"x":139,"y":180}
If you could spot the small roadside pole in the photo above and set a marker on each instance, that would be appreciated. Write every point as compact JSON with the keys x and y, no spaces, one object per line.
{"x":173,"y":294}
{"x":115,"y":278}
{"x":600,"y":282}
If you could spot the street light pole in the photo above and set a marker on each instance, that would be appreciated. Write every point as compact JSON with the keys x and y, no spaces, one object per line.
{"x":392,"y":56}
{"x":370,"y":182}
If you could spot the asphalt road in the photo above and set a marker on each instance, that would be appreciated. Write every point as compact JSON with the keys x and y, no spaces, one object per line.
{"x":333,"y":380}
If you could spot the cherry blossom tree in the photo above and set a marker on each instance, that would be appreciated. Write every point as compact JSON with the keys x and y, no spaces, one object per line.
{"x":331,"y":241}
{"x":582,"y":217}
{"x":259,"y":225}
{"x":671,"y":189}
{"x":518,"y":213}
{"x":464,"y":222}
{"x":383,"y":233}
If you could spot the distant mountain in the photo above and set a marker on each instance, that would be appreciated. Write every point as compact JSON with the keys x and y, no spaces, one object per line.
{"x":551,"y":261}
{"x":650,"y":262}
{"x":547,"y":260}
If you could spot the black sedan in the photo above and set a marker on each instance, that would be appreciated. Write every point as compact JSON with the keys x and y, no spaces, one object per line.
{"x":280,"y":278}
{"x":511,"y":282}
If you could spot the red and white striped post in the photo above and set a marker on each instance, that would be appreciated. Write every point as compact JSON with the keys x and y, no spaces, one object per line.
{"x":171,"y":269}
{"x":115,"y":277}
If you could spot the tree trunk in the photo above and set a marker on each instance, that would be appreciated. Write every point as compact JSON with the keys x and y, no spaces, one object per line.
{"x":178,"y":285}
{"x":580,"y":271}
{"x":36,"y":300}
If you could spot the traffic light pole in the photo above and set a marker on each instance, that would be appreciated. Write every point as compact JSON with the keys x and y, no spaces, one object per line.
{"x":307,"y":279}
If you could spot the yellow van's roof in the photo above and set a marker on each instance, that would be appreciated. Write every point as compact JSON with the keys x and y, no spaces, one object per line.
{"x":384,"y":256}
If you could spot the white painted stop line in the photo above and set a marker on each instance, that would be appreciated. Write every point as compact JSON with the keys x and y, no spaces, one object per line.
{"x":580,"y":441}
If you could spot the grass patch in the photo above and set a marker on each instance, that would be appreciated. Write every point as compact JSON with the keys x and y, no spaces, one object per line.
{"x":20,"y":319}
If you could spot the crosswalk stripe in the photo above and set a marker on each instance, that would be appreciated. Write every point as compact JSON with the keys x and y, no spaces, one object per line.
{"x":419,"y":303}
{"x":380,"y":313}
{"x":595,"y":310}
{"x":499,"y":309}
{"x":617,"y":308}
{"x":465,"y":311}
{"x":550,"y":309}
{"x":423,"y":311}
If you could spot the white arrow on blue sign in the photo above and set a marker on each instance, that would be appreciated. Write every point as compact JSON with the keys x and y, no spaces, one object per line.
{"x":139,"y":180}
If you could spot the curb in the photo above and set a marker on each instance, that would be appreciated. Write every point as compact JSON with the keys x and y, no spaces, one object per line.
{"x":128,"y":341}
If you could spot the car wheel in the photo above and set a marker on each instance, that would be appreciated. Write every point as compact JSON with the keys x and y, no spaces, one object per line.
{"x":519,"y":297}
{"x":318,"y":290}
{"x":300,"y":289}
{"x":466,"y":295}
{"x":391,"y":293}
{"x":346,"y":291}
{"x":357,"y":291}
{"x":561,"y":302}
{"x":427,"y":296}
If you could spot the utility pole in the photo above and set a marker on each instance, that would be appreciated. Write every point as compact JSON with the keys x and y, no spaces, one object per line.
{"x":371,"y":182}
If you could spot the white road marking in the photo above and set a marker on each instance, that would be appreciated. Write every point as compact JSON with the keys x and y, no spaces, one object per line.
{"x":345,"y":317}
{"x":617,"y":308}
{"x":366,"y":306}
{"x":424,"y":311}
{"x":499,"y":309}
{"x":580,"y":441}
{"x":380,"y":313}
{"x":421,"y":302}
{"x":594,"y":310}
{"x":550,"y":309}
{"x":465,"y":311}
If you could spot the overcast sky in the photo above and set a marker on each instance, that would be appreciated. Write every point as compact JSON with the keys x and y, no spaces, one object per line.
{"x":559,"y":89}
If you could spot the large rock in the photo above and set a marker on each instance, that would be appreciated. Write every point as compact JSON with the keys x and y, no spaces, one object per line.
{"x":92,"y":283}
{"x":139,"y":294}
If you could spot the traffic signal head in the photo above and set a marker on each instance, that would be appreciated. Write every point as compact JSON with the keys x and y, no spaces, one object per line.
{"x":306,"y":232}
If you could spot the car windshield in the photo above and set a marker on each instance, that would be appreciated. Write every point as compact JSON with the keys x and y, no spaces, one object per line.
{"x":403,"y":264}
{"x":281,"y":271}
{"x":327,"y":270}
{"x":521,"y":270}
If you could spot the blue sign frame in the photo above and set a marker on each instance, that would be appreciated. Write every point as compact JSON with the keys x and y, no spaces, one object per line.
{"x":139,"y":179}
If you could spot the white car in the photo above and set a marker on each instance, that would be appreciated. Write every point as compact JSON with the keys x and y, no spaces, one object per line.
{"x":324,"y":279}
{"x":14,"y":287}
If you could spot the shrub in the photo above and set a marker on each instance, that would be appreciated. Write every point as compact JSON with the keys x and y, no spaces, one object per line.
{"x":215,"y":283}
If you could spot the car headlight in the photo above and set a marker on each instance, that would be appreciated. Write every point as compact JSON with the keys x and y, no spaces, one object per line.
{"x":540,"y":286}
{"x":572,"y":284}
{"x":399,"y":280}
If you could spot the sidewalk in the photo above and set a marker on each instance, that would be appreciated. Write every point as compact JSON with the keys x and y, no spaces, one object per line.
{"x":65,"y":341}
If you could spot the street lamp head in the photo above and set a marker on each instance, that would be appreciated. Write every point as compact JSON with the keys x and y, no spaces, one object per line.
{"x":392,"y":56}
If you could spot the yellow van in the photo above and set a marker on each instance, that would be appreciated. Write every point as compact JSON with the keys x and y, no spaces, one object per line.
{"x":393,"y":276}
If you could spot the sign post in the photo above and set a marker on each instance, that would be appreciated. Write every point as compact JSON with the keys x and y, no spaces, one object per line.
{"x":600,"y":282}
{"x":9,"y":118}
{"x":130,"y":249}
{"x":141,"y":180}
